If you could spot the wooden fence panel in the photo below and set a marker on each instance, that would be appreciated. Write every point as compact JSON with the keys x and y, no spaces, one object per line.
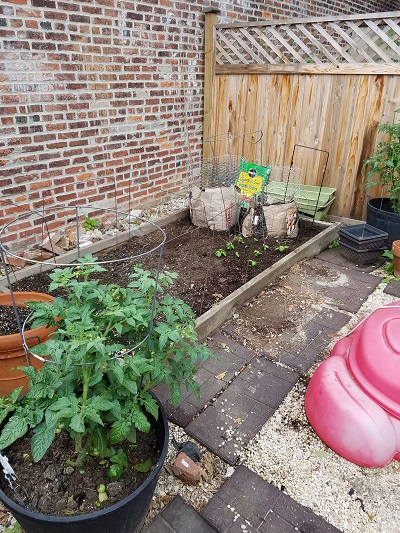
{"x":334,"y":107}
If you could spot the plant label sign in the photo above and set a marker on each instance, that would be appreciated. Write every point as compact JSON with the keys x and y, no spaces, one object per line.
{"x":251,"y":179}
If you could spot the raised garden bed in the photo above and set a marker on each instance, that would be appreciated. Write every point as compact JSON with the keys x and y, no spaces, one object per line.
{"x":213,"y":286}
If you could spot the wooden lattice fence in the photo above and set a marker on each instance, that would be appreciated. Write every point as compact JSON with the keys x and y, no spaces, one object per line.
{"x":322,"y":83}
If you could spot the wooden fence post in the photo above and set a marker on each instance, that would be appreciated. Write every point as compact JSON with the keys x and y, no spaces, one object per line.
{"x":209,"y":73}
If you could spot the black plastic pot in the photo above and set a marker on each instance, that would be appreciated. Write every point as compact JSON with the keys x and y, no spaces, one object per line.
{"x":381,"y":216}
{"x":126,"y":516}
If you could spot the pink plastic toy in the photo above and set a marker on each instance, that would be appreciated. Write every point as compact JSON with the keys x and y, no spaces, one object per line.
{"x":353,"y":399}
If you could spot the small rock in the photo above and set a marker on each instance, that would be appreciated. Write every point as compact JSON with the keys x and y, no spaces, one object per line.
{"x":69,"y":470}
{"x":49,"y":243}
{"x":97,"y":234}
{"x":37,"y":255}
{"x":114,"y":488}
{"x":186,"y":470}
{"x":50,"y":473}
{"x":63,"y":243}
{"x":15,"y":261}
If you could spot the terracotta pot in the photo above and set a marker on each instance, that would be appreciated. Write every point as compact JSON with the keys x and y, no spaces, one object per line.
{"x":396,"y":257}
{"x":12,"y":353}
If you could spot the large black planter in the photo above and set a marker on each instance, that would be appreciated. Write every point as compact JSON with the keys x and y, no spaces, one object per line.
{"x":381,"y":216}
{"x":126,"y":516}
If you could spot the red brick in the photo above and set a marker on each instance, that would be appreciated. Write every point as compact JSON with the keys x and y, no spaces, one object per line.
{"x":186,"y":470}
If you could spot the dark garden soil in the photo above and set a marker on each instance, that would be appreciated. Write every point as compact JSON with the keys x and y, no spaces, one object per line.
{"x":8,"y":322}
{"x":204,"y":279}
{"x":55,"y":488}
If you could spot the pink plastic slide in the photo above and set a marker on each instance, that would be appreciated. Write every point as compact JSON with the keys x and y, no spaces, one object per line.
{"x":353,"y":399}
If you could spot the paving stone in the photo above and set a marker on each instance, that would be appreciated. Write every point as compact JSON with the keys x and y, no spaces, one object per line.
{"x":226,"y":366}
{"x":247,"y":500}
{"x":228,"y":362}
{"x":218,"y":514}
{"x":273,"y":523}
{"x":219,"y":338}
{"x":301,"y":517}
{"x":393,"y":288}
{"x":178,"y":517}
{"x":332,"y":319}
{"x":246,"y":494}
{"x":243,"y":408}
{"x":241,"y":526}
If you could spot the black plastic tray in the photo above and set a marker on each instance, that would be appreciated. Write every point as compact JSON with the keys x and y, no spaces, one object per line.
{"x":362,"y":237}
{"x":361,"y":257}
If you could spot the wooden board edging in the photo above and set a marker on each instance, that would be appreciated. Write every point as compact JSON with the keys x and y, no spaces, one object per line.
{"x":217,"y":315}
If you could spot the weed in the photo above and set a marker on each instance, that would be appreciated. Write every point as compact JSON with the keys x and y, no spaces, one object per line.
{"x":90,"y":223}
{"x":334,"y":244}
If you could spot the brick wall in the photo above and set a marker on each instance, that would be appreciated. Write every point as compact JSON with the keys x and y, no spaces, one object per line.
{"x":101,"y":100}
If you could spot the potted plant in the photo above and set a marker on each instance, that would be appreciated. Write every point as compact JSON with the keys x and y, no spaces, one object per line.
{"x":12,"y":351}
{"x":384,"y":169}
{"x":90,"y":406}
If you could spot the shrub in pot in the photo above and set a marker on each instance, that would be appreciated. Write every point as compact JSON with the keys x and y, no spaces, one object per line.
{"x":384,"y":169}
{"x":96,"y":393}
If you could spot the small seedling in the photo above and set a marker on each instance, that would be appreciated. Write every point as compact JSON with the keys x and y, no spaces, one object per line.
{"x":120,"y":462}
{"x":256,"y":253}
{"x":265,"y":247}
{"x":253,"y":263}
{"x":255,"y":239}
{"x":334,"y":244}
{"x":229,"y":246}
{"x":281,"y":248}
{"x":90,"y":223}
{"x":238,"y":239}
{"x":237,"y":254}
{"x":220,"y":253}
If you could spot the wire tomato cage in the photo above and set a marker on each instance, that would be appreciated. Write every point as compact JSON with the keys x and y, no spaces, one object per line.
{"x":42,"y":220}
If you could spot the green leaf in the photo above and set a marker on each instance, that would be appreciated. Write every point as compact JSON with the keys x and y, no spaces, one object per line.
{"x":115,"y":471}
{"x":144,"y":467}
{"x":149,"y":403}
{"x":140,"y":421}
{"x":15,"y":428}
{"x":175,"y":391}
{"x":120,"y":458}
{"x":118,"y":372}
{"x":77,"y":423}
{"x":100,"y":404}
{"x":14,"y":395}
{"x":92,"y":414}
{"x":119,"y":431}
{"x":41,"y":440}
